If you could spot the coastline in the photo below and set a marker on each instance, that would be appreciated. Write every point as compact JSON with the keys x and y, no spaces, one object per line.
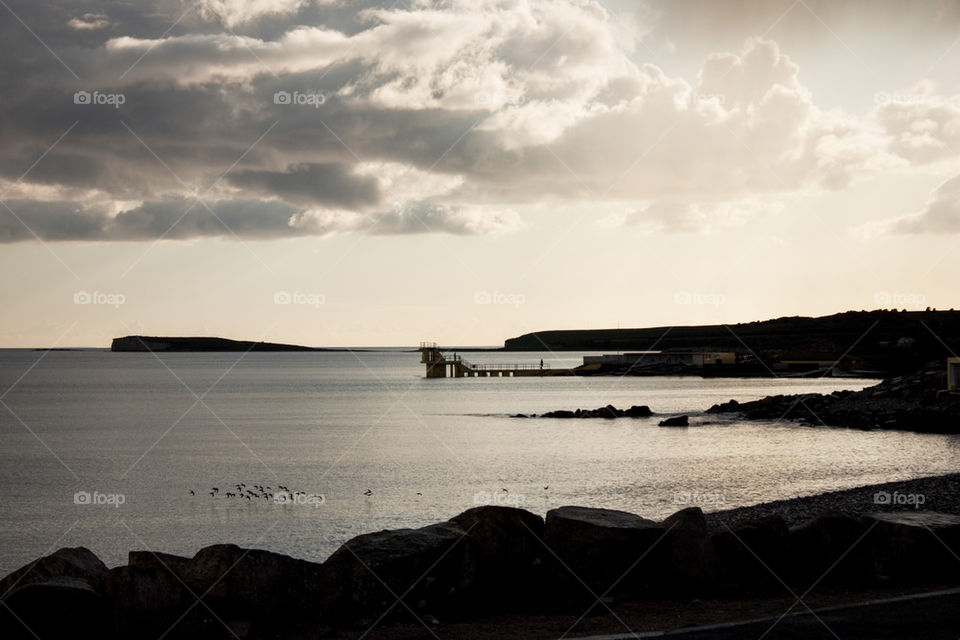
{"x":941,"y":493}
{"x":495,"y":567}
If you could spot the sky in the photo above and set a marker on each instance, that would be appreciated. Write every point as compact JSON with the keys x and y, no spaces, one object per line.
{"x":366,"y":173}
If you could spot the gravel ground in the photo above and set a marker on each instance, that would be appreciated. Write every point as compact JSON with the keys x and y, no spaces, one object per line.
{"x":940,"y":493}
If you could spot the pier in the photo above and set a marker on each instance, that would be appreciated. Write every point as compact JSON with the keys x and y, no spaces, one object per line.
{"x":441,"y":365}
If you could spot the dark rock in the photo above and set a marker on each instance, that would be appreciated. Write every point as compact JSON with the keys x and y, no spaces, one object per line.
{"x":59,"y":607}
{"x":691,"y":565}
{"x":76,"y":562}
{"x":751,"y":555}
{"x":677,"y":421}
{"x":506,"y":545}
{"x":914,"y":403}
{"x":258,"y":584}
{"x":157,"y":560}
{"x":826,"y":549}
{"x":603,"y":549}
{"x":914,"y":545}
{"x":608,"y":412}
{"x":429,"y":569}
{"x":147,"y":602}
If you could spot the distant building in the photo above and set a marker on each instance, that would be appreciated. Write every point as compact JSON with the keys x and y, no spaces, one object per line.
{"x":697,"y":359}
{"x":953,"y":374}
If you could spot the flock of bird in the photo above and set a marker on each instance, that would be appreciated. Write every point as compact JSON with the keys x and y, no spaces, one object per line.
{"x":260,"y":492}
{"x":253,"y":492}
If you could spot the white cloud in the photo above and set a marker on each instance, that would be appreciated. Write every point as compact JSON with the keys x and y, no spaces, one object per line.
{"x":89,"y":22}
{"x":940,"y":215}
{"x":455,"y":112}
{"x":236,"y":12}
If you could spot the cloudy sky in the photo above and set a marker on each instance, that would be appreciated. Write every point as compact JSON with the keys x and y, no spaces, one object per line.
{"x":336,"y":172}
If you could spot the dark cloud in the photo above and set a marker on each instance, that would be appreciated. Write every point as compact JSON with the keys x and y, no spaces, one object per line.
{"x":330,"y":185}
{"x":426,"y":117}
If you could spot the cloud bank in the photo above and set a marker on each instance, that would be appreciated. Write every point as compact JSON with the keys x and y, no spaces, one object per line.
{"x":255,"y":119}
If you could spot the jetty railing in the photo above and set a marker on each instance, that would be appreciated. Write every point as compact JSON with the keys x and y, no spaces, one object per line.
{"x":513,"y":366}
{"x":506,"y":367}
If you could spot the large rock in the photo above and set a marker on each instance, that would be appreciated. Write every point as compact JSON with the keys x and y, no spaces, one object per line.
{"x":59,"y":607}
{"x":506,"y":545}
{"x":261,"y":583}
{"x":429,"y":569}
{"x":158,"y":560}
{"x":828,"y":549}
{"x":914,"y":545}
{"x":676,"y":421}
{"x":691,"y":562}
{"x":751,"y":555}
{"x":604,"y":549}
{"x":76,"y":562}
{"x":147,"y":602}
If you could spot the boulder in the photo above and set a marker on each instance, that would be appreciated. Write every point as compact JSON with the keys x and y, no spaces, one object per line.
{"x":256,"y":584}
{"x":76,"y":562}
{"x":914,"y":545}
{"x":676,"y":421}
{"x":55,"y":608}
{"x":603,"y":549}
{"x":639,"y":411}
{"x":147,"y":602}
{"x":691,"y":563}
{"x":430,"y":569}
{"x":826,"y":549}
{"x":750,"y":555}
{"x":506,"y":546}
{"x":158,"y":560}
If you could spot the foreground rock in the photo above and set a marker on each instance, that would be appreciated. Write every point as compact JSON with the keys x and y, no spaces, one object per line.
{"x":609,"y":411}
{"x":59,"y":607}
{"x":601,"y":550}
{"x":918,"y":402}
{"x":485,"y":561}
{"x":676,"y":421}
{"x":78,"y":562}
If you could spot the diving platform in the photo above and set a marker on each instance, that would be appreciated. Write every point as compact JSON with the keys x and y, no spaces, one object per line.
{"x":442,"y":365}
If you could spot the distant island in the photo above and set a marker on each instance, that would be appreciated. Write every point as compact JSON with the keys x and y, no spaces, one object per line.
{"x":147,"y":343}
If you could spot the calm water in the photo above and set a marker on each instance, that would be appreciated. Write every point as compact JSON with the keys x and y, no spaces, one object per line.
{"x":339,"y":425}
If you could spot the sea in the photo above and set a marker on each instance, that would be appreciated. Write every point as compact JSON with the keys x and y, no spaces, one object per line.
{"x":138,"y":451}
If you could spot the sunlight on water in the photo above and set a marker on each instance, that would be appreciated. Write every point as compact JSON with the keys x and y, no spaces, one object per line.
{"x":383,"y":446}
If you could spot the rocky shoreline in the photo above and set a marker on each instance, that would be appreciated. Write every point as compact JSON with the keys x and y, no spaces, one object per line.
{"x":491,"y":561}
{"x":918,"y":402}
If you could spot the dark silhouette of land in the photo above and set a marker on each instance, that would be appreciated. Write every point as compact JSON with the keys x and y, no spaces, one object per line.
{"x":147,"y":343}
{"x":885,"y":341}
